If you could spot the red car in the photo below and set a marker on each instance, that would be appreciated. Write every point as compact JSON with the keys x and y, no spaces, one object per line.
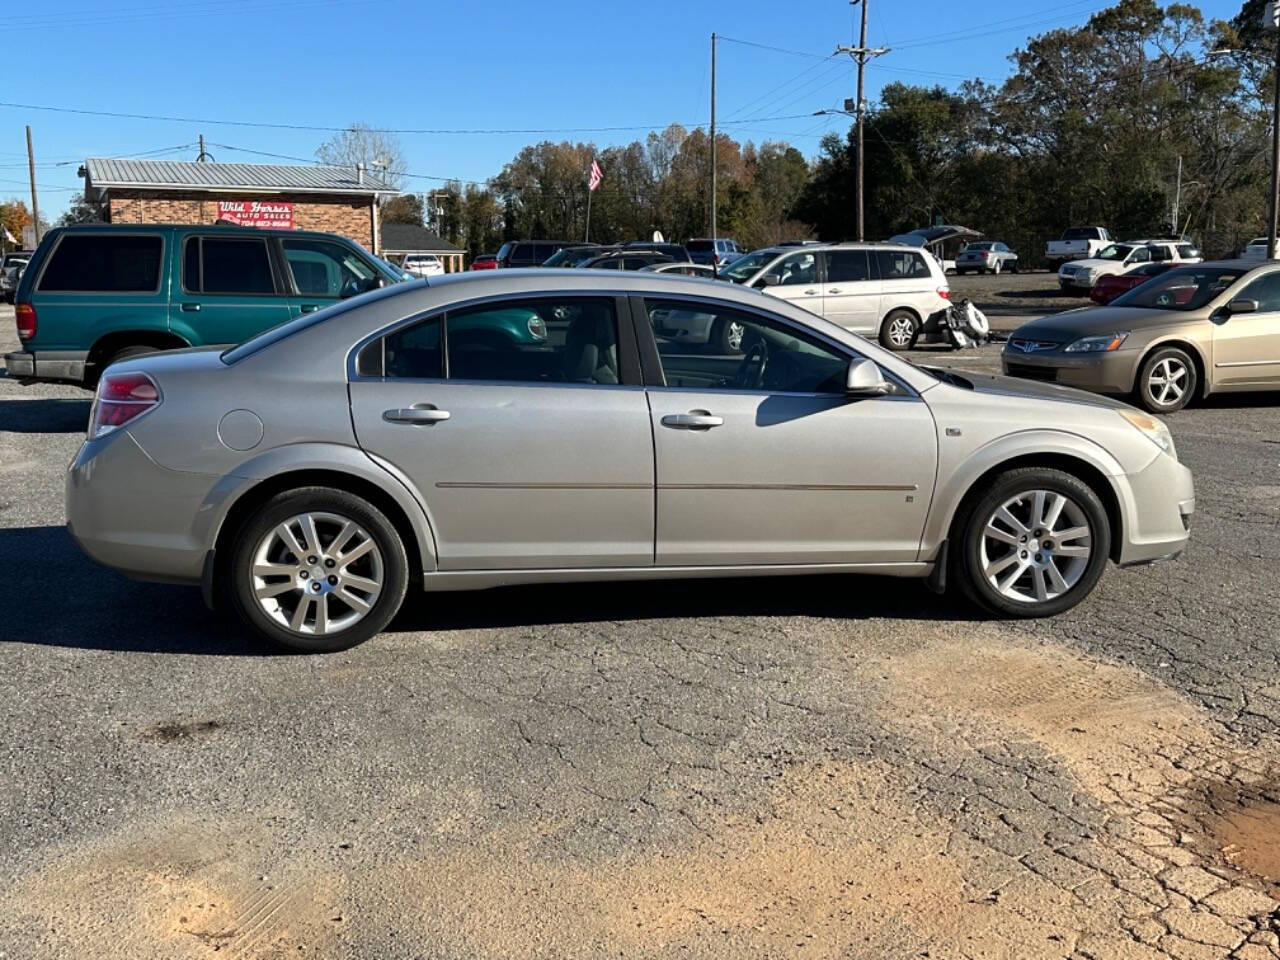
{"x":1109,"y":287}
{"x":486,"y":261}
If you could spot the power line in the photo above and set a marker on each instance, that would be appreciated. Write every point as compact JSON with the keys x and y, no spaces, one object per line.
{"x":118,"y":115}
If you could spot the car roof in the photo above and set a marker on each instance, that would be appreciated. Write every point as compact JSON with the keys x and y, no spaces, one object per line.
{"x":228,"y":228}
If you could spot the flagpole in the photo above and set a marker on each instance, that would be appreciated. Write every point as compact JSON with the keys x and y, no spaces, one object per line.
{"x":587,"y":237}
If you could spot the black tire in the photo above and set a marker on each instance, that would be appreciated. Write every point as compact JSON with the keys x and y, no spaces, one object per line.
{"x":1162,"y":366}
{"x":895,"y":334}
{"x":1014,"y":267}
{"x":968,"y":534}
{"x":126,"y":352}
{"x":727,"y":337}
{"x":237,"y":575}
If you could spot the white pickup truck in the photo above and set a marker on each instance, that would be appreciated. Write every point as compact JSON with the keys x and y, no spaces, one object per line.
{"x":1077,"y":243}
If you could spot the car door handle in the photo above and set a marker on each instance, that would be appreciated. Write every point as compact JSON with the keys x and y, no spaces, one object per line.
{"x":191,"y":308}
{"x":417,"y":414}
{"x":309,"y":307}
{"x":810,"y":293}
{"x":833,"y":290}
{"x":694,"y":420}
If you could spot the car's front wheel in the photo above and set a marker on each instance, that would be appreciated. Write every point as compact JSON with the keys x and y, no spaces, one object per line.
{"x":317,"y":570}
{"x":1033,"y":544}
{"x":1167,"y":381}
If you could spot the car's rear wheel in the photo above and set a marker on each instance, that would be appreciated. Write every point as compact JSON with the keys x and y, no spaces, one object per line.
{"x":317,"y":570}
{"x":995,"y":268}
{"x":1167,"y":381}
{"x":899,"y":330}
{"x":1033,"y":544}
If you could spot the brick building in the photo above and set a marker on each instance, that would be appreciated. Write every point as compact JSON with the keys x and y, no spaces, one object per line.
{"x":342,"y":200}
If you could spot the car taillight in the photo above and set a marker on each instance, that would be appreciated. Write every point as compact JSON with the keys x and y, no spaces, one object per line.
{"x":25,"y":314}
{"x":122,"y":397}
{"x":944,"y":293}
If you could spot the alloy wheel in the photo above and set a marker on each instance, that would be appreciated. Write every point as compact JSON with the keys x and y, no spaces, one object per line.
{"x":1167,"y":381}
{"x":317,"y":573}
{"x":1036,"y":546}
{"x":901,"y":330}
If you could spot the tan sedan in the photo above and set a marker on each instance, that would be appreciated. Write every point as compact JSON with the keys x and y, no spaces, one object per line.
{"x":1195,"y":330}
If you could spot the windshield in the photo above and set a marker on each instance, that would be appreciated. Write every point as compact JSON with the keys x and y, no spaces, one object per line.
{"x":1182,"y":289}
{"x":398,"y":272}
{"x":1080,"y":233}
{"x":571,"y":256}
{"x":744,"y":268}
{"x":1116,"y":251}
{"x":979,"y":246}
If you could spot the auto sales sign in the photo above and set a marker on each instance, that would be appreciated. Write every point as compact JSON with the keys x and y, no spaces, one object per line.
{"x":257,"y":213}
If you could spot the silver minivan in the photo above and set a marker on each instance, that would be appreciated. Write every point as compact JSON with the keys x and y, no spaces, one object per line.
{"x":891,"y":292}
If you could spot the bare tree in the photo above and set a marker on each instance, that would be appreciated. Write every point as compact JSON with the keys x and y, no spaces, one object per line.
{"x":379,"y":151}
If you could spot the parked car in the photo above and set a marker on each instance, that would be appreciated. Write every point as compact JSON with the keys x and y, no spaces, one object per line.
{"x":11,"y":267}
{"x":1113,"y":284}
{"x":894,"y":293}
{"x":528,"y":253}
{"x":97,"y":293}
{"x":1256,"y":249}
{"x":423,"y":265}
{"x":684,"y":269}
{"x":1077,"y":243}
{"x":718,"y":252}
{"x":626,"y":259}
{"x":986,"y":256}
{"x":1080,"y":275}
{"x":575,"y":255}
{"x":485,"y":261}
{"x":675,"y":251}
{"x":1195,"y":330}
{"x":461,"y":468}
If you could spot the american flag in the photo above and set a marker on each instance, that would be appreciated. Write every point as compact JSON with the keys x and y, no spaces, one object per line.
{"x":597,"y":174}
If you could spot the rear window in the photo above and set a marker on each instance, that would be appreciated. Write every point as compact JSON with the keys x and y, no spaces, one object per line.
{"x":104,"y":263}
{"x":698,"y":246}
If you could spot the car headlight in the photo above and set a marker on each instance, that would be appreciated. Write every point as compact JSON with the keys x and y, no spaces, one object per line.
{"x":1151,"y":428}
{"x":1103,"y":344}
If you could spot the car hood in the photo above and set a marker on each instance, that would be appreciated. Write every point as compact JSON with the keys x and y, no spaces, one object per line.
{"x":1018,"y":388}
{"x":1094,"y":321}
{"x":1092,"y":263}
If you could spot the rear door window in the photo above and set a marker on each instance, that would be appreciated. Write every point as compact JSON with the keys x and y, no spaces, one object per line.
{"x":847,"y":266}
{"x":104,"y":263}
{"x":232,"y":265}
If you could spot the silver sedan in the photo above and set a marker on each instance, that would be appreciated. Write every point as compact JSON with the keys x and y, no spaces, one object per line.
{"x":530,"y":426}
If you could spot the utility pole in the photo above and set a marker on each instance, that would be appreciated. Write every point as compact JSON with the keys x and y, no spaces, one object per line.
{"x":714,"y":254}
{"x":1177,"y":196}
{"x":203,"y":156}
{"x":861,"y":54}
{"x":1271,"y":19}
{"x":31,"y":168}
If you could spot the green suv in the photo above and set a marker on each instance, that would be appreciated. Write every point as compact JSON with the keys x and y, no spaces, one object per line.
{"x":97,"y":293}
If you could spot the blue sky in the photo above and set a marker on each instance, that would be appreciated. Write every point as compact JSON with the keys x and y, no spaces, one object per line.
{"x":561,"y":66}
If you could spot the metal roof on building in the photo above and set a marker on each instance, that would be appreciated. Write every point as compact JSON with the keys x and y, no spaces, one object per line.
{"x":409,"y":237}
{"x":218,"y":177}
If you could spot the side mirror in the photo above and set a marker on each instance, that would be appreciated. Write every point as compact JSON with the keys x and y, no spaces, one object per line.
{"x":769,"y":280}
{"x":864,"y":379}
{"x":1241,"y":306}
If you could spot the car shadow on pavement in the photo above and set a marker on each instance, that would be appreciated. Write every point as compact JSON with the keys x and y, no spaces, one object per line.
{"x":844,"y":597}
{"x":53,"y":595}
{"x":45,"y":415}
{"x":1238,"y":401}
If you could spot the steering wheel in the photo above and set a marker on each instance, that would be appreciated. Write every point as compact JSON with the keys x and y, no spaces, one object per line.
{"x":744,"y":379}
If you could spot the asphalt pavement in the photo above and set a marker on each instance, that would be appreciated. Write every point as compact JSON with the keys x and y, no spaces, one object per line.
{"x":816,"y":767}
